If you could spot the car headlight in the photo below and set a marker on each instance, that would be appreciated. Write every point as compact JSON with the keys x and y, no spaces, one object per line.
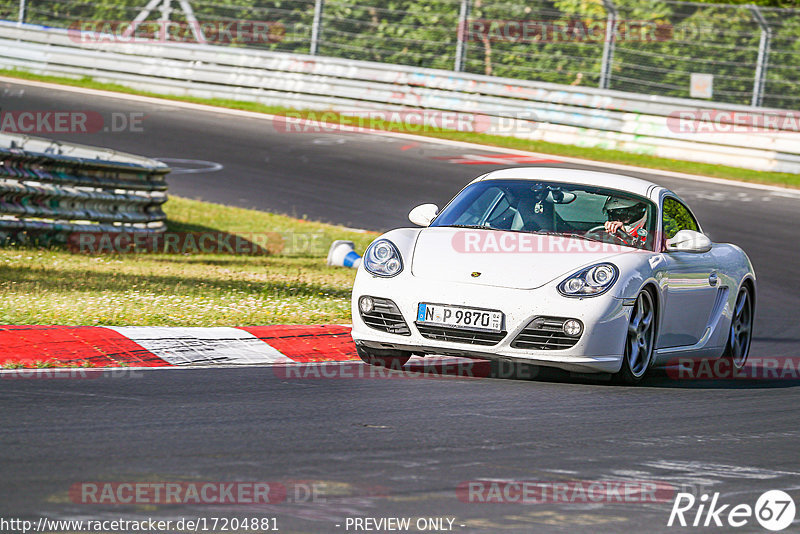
{"x":383,"y":259}
{"x":590,"y":282}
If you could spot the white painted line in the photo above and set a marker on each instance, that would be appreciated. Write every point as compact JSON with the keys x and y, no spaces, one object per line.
{"x":720,"y":470}
{"x":786,"y":191}
{"x":202,"y":166}
{"x":198,"y":345}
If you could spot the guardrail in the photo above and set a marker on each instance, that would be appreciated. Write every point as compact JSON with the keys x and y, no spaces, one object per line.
{"x":534,"y":110}
{"x":747,"y":52}
{"x":53,"y":188}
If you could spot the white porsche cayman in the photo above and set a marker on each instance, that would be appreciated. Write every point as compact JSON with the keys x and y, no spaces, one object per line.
{"x":585,"y":271}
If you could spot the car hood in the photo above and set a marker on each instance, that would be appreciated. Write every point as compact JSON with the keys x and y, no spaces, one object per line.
{"x":503,"y":259}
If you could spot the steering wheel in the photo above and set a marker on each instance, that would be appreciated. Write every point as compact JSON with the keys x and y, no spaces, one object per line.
{"x":619,"y":236}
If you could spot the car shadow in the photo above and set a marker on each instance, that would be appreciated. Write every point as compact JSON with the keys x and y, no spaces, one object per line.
{"x":766,"y":375}
{"x":757,"y":377}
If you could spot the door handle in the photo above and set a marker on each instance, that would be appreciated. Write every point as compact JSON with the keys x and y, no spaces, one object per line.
{"x":713,"y":279}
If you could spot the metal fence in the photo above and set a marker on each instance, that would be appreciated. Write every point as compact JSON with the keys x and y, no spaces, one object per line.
{"x":751,"y":52}
{"x":767,"y":140}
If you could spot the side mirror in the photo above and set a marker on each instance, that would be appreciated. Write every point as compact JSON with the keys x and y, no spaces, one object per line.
{"x":689,"y":241}
{"x":423,"y":215}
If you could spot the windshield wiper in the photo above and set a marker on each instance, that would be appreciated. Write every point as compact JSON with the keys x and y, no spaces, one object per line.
{"x":471,"y":226}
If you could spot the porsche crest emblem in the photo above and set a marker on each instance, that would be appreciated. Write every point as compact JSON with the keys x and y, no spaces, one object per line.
{"x":475,"y":274}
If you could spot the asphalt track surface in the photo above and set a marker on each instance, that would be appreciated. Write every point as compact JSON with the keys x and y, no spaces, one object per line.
{"x":399,"y":446}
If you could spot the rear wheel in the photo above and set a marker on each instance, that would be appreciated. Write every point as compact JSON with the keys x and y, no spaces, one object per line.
{"x":738,"y":346}
{"x":640,"y":340}
{"x":393,"y":359}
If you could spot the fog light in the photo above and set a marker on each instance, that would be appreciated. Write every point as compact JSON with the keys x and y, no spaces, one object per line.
{"x":366,"y":304}
{"x":572,"y":327}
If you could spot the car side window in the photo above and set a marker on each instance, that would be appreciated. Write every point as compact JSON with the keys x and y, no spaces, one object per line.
{"x":677,"y":217}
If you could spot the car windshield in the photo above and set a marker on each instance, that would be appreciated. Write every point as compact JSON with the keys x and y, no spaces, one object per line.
{"x":554,"y":208}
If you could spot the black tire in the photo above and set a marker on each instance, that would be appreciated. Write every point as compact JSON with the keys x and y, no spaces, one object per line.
{"x":393,"y":359}
{"x":741,"y":333}
{"x":640,"y":340}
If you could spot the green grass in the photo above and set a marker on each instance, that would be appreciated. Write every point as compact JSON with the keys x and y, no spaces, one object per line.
{"x":294,"y":286}
{"x":591,"y":153}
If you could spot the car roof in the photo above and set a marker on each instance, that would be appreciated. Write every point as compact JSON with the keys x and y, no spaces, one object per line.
{"x":577,"y":176}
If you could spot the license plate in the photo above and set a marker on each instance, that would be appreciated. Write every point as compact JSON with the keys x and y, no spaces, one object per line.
{"x":460,"y":317}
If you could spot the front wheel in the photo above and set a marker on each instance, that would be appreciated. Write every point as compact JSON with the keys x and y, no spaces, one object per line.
{"x":393,"y":359}
{"x":640,"y":340}
{"x":738,"y":346}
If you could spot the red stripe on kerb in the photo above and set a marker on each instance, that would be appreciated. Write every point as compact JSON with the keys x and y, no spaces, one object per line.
{"x":72,"y":344}
{"x":321,"y":343}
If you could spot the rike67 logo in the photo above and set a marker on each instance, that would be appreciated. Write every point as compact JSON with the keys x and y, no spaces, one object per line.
{"x":774,"y":510}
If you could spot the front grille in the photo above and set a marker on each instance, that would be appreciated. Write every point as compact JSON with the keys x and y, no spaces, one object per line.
{"x":545,"y":333}
{"x":459,"y":335}
{"x":386,"y":316}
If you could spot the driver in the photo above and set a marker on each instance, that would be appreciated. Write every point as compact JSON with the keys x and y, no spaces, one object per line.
{"x":534,"y":212}
{"x":625,"y":214}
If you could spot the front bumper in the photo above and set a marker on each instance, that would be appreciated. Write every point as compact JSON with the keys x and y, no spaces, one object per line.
{"x":599,"y":348}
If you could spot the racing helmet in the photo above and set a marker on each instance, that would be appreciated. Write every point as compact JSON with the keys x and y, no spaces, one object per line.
{"x":624,"y":209}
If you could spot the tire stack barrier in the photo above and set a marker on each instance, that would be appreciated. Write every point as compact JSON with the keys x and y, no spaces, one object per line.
{"x":58,"y":188}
